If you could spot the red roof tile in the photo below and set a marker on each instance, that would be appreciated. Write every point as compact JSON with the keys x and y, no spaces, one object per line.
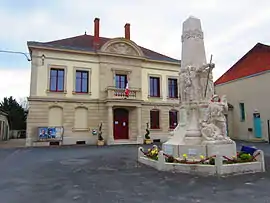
{"x":257,"y":60}
{"x":85,"y":42}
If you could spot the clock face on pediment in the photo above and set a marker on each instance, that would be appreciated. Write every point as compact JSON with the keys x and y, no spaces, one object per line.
{"x":122,"y":48}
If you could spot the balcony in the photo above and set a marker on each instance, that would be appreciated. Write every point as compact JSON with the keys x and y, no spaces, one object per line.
{"x":115,"y":93}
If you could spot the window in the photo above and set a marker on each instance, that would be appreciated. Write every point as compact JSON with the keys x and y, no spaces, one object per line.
{"x":82,"y":81}
{"x":173,"y":88}
{"x":173,"y":119}
{"x":154,"y":119}
{"x":242,"y":111}
{"x":57,"y":77}
{"x":120,"y":81}
{"x":154,"y":87}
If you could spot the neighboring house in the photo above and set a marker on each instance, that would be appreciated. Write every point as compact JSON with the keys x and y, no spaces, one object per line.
{"x":246,"y":85}
{"x":80,"y":82}
{"x":4,"y":126}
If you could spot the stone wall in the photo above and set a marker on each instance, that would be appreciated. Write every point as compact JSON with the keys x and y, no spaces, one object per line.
{"x":41,"y":114}
{"x":163,"y":132}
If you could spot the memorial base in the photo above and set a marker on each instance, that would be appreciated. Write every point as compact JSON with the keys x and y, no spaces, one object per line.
{"x":196,"y":151}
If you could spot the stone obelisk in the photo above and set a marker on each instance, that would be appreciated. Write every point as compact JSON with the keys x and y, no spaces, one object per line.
{"x":193,"y":52}
{"x":188,"y":134}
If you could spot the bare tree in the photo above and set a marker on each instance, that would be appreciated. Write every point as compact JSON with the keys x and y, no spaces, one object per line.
{"x":24,"y":103}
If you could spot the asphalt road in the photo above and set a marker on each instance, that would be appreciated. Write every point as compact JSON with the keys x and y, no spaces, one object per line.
{"x":112,"y":174}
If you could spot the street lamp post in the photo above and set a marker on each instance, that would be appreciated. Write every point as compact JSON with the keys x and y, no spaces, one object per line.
{"x":16,"y":52}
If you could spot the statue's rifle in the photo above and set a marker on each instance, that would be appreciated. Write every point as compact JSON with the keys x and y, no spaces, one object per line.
{"x":208,"y":74}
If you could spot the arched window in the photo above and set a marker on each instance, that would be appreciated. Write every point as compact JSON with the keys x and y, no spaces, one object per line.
{"x":173,"y":118}
{"x":154,"y":119}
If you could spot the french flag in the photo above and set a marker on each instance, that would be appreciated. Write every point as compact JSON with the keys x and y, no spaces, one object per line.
{"x":127,"y":90}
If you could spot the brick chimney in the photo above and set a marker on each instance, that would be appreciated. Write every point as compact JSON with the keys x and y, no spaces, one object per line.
{"x":96,"y":33}
{"x":127,"y":31}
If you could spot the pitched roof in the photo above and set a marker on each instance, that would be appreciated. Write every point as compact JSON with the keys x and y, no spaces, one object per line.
{"x":258,"y":63}
{"x":85,"y":43}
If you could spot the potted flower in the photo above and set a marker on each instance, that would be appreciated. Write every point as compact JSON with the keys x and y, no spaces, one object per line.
{"x":100,"y":141}
{"x":147,"y":139}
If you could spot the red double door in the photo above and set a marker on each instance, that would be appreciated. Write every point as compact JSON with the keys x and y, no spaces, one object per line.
{"x":120,"y":124}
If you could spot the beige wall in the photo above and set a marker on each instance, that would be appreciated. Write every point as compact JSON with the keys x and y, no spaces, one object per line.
{"x":164,"y":72}
{"x":164,"y":108}
{"x":42,"y":113}
{"x":68,"y":61}
{"x":71,"y":110}
{"x":254,"y":92}
{"x":112,"y":65}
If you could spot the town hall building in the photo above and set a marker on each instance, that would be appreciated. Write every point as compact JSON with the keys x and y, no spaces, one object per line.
{"x":79,"y":82}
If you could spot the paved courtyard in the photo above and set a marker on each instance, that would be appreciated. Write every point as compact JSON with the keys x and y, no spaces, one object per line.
{"x":112,"y":174}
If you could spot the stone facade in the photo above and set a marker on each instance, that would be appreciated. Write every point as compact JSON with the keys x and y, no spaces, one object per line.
{"x":64,"y":112}
{"x":79,"y":113}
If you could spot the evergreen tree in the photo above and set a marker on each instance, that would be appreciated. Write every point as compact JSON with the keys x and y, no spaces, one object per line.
{"x":16,"y":113}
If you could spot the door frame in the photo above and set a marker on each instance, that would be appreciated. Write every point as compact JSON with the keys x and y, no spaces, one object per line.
{"x":121,"y":110}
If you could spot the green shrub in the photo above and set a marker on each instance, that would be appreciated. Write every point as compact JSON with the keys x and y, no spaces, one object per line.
{"x":170,"y":159}
{"x":245,"y":157}
{"x":212,"y":161}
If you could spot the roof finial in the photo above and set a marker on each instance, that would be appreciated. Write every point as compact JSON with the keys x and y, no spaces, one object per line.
{"x":85,"y":33}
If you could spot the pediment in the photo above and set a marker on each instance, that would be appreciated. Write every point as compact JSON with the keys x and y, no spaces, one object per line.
{"x":122,"y":47}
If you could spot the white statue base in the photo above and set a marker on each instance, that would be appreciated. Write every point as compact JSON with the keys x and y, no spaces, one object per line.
{"x":196,"y":149}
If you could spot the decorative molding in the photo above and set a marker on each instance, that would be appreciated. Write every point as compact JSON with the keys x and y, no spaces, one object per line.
{"x":80,"y":129}
{"x":192,"y":34}
{"x":81,"y":93}
{"x":89,"y":70}
{"x":63,"y":99}
{"x":122,"y":48}
{"x":51,"y":66}
{"x":177,"y":83}
{"x":121,"y":70}
{"x":55,"y":105}
{"x":81,"y":106}
{"x":160,"y":85}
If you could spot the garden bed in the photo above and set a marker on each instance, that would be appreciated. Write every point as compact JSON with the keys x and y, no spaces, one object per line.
{"x":215,"y":165}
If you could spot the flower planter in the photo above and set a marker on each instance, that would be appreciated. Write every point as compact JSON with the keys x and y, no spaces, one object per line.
{"x":100,"y":142}
{"x":148,"y":141}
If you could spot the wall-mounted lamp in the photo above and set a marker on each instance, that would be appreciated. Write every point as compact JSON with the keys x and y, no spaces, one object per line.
{"x":42,"y":59}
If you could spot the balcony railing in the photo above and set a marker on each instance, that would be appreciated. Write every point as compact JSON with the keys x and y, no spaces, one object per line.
{"x":115,"y":93}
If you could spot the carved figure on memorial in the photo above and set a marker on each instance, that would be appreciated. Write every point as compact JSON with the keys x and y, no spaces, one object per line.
{"x":212,"y":135}
{"x":193,"y":83}
{"x":214,"y":126}
{"x":187,"y":85}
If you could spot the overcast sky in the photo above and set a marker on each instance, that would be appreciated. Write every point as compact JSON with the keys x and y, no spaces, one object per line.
{"x":231,"y":28}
